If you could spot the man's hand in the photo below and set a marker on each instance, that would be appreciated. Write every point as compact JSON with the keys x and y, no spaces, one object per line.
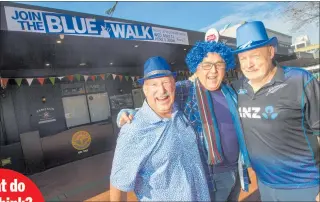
{"x":125,"y":119}
{"x":318,"y":197}
{"x":193,"y":77}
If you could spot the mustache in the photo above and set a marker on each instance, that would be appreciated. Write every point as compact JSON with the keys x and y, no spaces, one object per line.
{"x":164,"y":95}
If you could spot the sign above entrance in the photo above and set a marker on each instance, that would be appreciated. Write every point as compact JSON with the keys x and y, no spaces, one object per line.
{"x":28,"y":20}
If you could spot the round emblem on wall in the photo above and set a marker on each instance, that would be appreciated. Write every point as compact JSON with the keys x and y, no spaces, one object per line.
{"x":212,"y":35}
{"x":81,"y":140}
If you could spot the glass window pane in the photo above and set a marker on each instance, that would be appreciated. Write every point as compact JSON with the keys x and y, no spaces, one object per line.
{"x":99,"y":106}
{"x":76,"y":110}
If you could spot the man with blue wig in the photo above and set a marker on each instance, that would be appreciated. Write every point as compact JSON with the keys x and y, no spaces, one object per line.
{"x":210,"y":106}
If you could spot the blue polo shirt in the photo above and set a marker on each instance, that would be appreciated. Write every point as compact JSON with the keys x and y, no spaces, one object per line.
{"x":159,"y":159}
{"x":281,"y":125}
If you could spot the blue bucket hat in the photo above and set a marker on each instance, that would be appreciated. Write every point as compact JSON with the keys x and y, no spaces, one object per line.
{"x":252,"y":35}
{"x":156,"y":67}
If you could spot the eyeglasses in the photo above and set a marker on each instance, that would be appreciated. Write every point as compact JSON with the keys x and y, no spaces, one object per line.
{"x":208,"y":65}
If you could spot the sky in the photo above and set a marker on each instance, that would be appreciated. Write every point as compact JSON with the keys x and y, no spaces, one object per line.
{"x":198,"y":16}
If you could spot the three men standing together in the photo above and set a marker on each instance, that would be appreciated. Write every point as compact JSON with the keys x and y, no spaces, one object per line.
{"x":275,"y":131}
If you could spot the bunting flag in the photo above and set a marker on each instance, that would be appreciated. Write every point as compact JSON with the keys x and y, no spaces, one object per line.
{"x":4,"y":82}
{"x":85,"y":77}
{"x":120,"y":77}
{"x":30,"y":81}
{"x":70,"y":77}
{"x":107,"y":75}
{"x":93,"y":77}
{"x":78,"y":77}
{"x":52,"y":79}
{"x":41,"y":80}
{"x":18,"y":81}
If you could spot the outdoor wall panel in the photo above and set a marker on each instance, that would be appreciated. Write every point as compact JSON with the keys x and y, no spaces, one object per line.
{"x":11,"y":133}
{"x":77,"y":143}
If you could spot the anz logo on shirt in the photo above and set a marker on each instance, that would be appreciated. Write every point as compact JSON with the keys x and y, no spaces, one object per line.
{"x":242,"y":91}
{"x":256,"y":113}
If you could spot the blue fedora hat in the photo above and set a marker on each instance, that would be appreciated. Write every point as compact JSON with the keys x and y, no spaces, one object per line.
{"x":156,"y":67}
{"x":253,"y":35}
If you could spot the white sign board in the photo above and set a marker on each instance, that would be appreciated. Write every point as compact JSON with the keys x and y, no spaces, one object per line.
{"x":28,"y":20}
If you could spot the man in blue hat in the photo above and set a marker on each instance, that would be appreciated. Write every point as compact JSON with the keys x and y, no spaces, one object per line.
{"x":157,"y":155}
{"x":210,"y":106}
{"x":279,"y":110}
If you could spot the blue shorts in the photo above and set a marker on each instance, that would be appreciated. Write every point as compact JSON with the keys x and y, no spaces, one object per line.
{"x":272,"y":194}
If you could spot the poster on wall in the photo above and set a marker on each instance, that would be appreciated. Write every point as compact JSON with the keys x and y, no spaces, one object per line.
{"x":46,"y":115}
{"x":121,"y":101}
{"x":29,"y":20}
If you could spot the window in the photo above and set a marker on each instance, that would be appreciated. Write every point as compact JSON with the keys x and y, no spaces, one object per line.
{"x":85,"y":103}
{"x":301,"y":45}
{"x":98,"y":106}
{"x":76,"y":110}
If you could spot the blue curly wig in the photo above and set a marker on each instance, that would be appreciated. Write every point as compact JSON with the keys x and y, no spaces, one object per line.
{"x":202,"y":48}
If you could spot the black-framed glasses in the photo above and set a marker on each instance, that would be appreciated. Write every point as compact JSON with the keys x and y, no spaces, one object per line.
{"x":208,"y":65}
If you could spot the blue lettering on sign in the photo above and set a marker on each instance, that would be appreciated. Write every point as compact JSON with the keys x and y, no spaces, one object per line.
{"x":29,"y":20}
{"x":66,"y":24}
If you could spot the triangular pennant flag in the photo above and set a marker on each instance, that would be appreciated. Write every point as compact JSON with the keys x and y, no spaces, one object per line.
{"x":41,"y":80}
{"x":114,"y":76}
{"x":4,"y":82}
{"x":102,"y":76}
{"x":93,"y":77}
{"x":52,"y":79}
{"x":78,"y":76}
{"x":70,"y":77}
{"x":132,"y":78}
{"x":120,"y":77}
{"x":18,"y":81}
{"x":60,"y":77}
{"x":126,"y":77}
{"x":107,"y":75}
{"x":85,"y":77}
{"x":30,"y":81}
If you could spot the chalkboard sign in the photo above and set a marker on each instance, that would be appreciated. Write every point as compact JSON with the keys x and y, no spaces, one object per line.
{"x":72,"y":89}
{"x":95,"y":87}
{"x":121,"y":101}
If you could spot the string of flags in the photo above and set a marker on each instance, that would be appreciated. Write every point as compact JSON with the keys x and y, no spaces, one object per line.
{"x":77,"y":77}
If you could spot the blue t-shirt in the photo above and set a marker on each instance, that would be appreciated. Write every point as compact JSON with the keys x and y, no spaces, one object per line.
{"x":228,"y":136}
{"x":281,"y":124}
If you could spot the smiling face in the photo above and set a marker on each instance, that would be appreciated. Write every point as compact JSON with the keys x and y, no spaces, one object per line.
{"x":211,"y":71}
{"x":257,"y":64}
{"x":159,"y":93}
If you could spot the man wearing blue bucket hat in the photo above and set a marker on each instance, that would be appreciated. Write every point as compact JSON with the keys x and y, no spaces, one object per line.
{"x":279,"y":110}
{"x":157,"y":154}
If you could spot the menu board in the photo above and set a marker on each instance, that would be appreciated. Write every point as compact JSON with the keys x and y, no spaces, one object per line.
{"x":121,"y":101}
{"x":72,"y":89}
{"x":95,"y":87}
